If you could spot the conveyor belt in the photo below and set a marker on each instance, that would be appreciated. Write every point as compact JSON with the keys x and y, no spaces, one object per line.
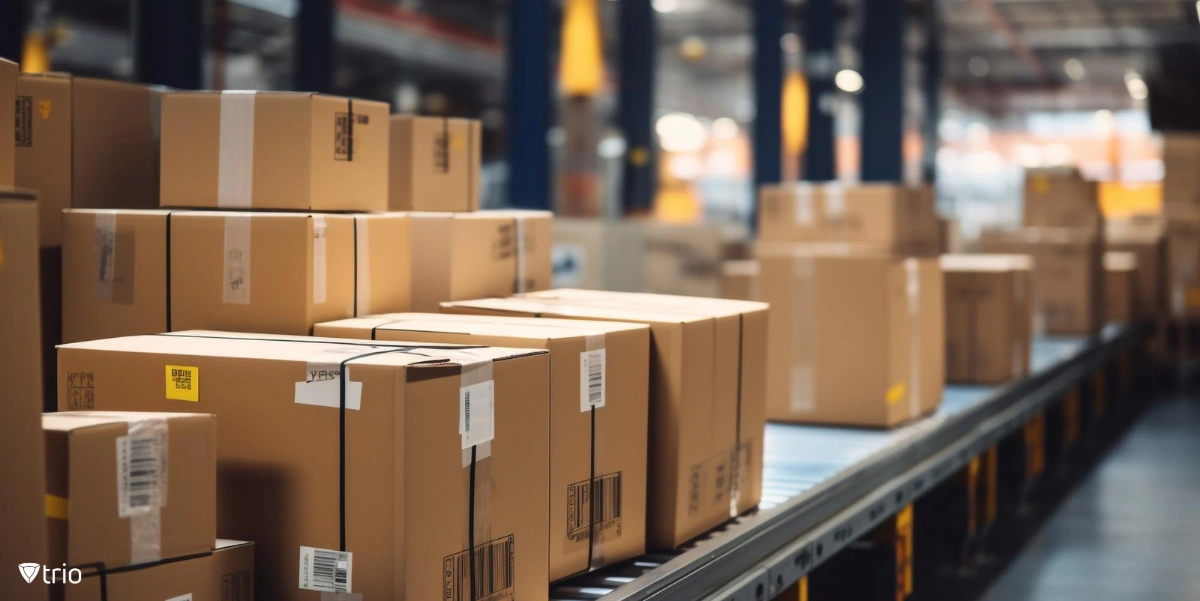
{"x":822,"y":485}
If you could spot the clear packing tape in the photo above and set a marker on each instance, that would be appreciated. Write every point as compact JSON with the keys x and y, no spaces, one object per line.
{"x":519,"y":226}
{"x":803,"y":375}
{"x":362,"y":266}
{"x":912,"y":292}
{"x":235,"y":153}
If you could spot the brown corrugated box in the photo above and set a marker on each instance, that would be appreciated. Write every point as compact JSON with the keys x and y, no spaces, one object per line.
{"x":989,"y":317}
{"x":598,"y":254}
{"x":8,"y":95}
{"x":274,"y":150}
{"x":1060,"y":197}
{"x":1147,"y":239}
{"x":706,"y":431}
{"x":685,"y":259}
{"x":889,"y":217}
{"x":224,"y":574}
{"x":86,"y":143}
{"x":461,"y":256}
{"x":127,"y":488}
{"x":1120,"y":283}
{"x":1181,"y":169}
{"x":434,"y":164}
{"x":606,"y":359}
{"x":22,"y":470}
{"x":287,"y":451}
{"x":739,"y":280}
{"x":259,"y":272}
{"x":1183,"y":258}
{"x":855,"y":339}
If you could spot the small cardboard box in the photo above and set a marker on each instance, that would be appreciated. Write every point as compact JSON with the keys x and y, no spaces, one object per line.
{"x":462,"y":256}
{"x":855,"y":339}
{"x":707,"y":379}
{"x":605,"y":365}
{"x":358,"y":452}
{"x":685,"y":259}
{"x":1146,"y":239}
{"x":86,"y":143}
{"x":1060,"y":197}
{"x":739,"y":280}
{"x":127,"y":488}
{"x":8,"y":95}
{"x":274,"y":150}
{"x":226,"y":573}
{"x":989,"y":317}
{"x":1120,"y":284}
{"x":889,"y":217}
{"x":598,"y":254}
{"x":434,"y":164}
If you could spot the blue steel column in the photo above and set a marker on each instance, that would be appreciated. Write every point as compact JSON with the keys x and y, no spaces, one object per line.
{"x":13,"y":15}
{"x":933,"y":89}
{"x":168,"y":43}
{"x":636,"y":104}
{"x":528,"y":103}
{"x":768,"y":90}
{"x":314,"y":46}
{"x":820,"y":36}
{"x":883,"y":96}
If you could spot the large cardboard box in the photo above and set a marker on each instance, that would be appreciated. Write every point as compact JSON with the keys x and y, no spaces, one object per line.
{"x":461,"y":256}
{"x":1120,"y":283}
{"x":888,"y":217}
{"x":22,"y":469}
{"x":599,"y":384}
{"x":126,"y":488}
{"x":707,"y":380}
{"x":1060,"y":197}
{"x":335,"y":451}
{"x":226,"y":573}
{"x":989,"y":317}
{"x":1146,"y":238}
{"x":685,"y":259}
{"x":268,"y":272}
{"x":274,"y":150}
{"x":1181,"y":169}
{"x":1183,"y":259}
{"x":86,"y":143}
{"x":739,"y":280}
{"x":598,"y":254}
{"x":8,"y":95}
{"x":434,"y":164}
{"x":855,"y":339}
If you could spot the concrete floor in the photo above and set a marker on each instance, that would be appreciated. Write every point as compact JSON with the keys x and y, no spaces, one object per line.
{"x":1131,"y":530}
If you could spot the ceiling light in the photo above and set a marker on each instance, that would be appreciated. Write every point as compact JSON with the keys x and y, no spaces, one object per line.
{"x":665,"y":6}
{"x":1198,"y":9}
{"x":1075,"y":69}
{"x":680,"y":132}
{"x":978,"y":66}
{"x":848,"y":80}
{"x":725,"y":128}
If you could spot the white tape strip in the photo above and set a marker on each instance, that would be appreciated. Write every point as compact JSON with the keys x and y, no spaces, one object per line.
{"x":803,"y":377}
{"x":105,"y":244}
{"x":912,"y":289}
{"x":237,"y":260}
{"x":142,"y":486}
{"x":804,"y":203}
{"x":362,"y":257}
{"x":835,"y":201}
{"x":318,"y":259}
{"x":322,"y":385}
{"x":235,"y":153}
{"x":520,"y":229}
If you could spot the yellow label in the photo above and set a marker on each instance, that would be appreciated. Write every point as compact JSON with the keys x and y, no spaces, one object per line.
{"x":57,"y":507}
{"x":904,"y":550}
{"x":183,"y":383}
{"x":1071,"y":416}
{"x":802,"y":589}
{"x":896,"y":392}
{"x":639,"y":156}
{"x":1041,"y":184}
{"x":44,"y":108}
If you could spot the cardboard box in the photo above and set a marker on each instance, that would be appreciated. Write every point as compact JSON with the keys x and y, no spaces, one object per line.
{"x":739,"y":280}
{"x":127,"y":488}
{"x":989,"y":317}
{"x":685,"y":259}
{"x":598,"y":254}
{"x":86,"y":143}
{"x":855,"y":339}
{"x":1060,"y":197}
{"x":226,"y":573}
{"x":434,"y":164}
{"x":1120,"y":283}
{"x":116,"y":273}
{"x":887,"y":217}
{"x":22,"y":470}
{"x":1181,"y":169}
{"x":274,"y":150}
{"x":8,"y":96}
{"x":706,"y":429}
{"x":1146,"y":238}
{"x":598,"y":364}
{"x":1183,"y":259}
{"x":336,"y":450}
{"x":461,"y":256}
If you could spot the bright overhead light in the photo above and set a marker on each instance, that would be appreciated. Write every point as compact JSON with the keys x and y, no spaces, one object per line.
{"x":1075,"y":69}
{"x":1197,"y":9}
{"x":1105,"y":121}
{"x":665,"y":6}
{"x":681,"y":132}
{"x":978,"y":66}
{"x":848,"y":80}
{"x":1137,"y":88}
{"x":725,"y":128}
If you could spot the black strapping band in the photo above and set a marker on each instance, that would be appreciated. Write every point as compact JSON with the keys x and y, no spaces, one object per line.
{"x":471,"y":528}
{"x":354,"y":218}
{"x":349,"y":129}
{"x":169,"y":285}
{"x":735,"y":473}
{"x":592,"y":498}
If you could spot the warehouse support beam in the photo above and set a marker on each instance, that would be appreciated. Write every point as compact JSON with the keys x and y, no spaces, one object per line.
{"x":768,"y":94}
{"x":932,"y":88}
{"x":820,"y":35}
{"x":636,"y":104}
{"x":314,"y":46}
{"x":13,"y":15}
{"x":168,"y":45}
{"x":883,"y":94}
{"x":529,"y":108}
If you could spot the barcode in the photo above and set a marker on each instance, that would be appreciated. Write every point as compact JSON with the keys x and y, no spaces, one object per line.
{"x":325,"y":570}
{"x":591,"y":380}
{"x":140,"y":462}
{"x":493,"y":575}
{"x":602,"y":508}
{"x":235,"y":586}
{"x":467,"y":411}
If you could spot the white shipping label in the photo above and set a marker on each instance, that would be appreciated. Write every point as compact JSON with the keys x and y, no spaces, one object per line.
{"x":187,"y":597}
{"x":591,"y":380}
{"x":318,"y":259}
{"x":322,"y":385}
{"x":141,"y":473}
{"x":325,"y":570}
{"x":477,"y":413}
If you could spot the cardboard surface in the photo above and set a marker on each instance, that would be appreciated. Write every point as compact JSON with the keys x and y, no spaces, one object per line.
{"x":1183,"y":259}
{"x":274,"y":150}
{"x":889,"y":217}
{"x":608,"y":445}
{"x":287,"y":451}
{"x":22,"y":468}
{"x":1120,"y":287}
{"x":129,"y":488}
{"x":989,"y":317}
{"x":739,"y":280}
{"x":706,"y":431}
{"x":1147,"y":240}
{"x":461,"y":256}
{"x":1181,"y":170}
{"x":597,"y":254}
{"x":434,"y":164}
{"x":855,"y":339}
{"x":685,"y":259}
{"x":1060,"y":197}
{"x":224,"y":574}
{"x":8,"y":95}
{"x":86,"y":143}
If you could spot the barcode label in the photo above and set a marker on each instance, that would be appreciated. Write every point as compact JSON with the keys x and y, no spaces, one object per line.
{"x":493,"y":579}
{"x":141,"y":476}
{"x":602,"y":508}
{"x":325,"y":570}
{"x":591,"y":380}
{"x":476,"y":413}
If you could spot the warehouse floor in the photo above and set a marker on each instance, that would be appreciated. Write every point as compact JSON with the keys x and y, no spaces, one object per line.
{"x":1128,"y":532}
